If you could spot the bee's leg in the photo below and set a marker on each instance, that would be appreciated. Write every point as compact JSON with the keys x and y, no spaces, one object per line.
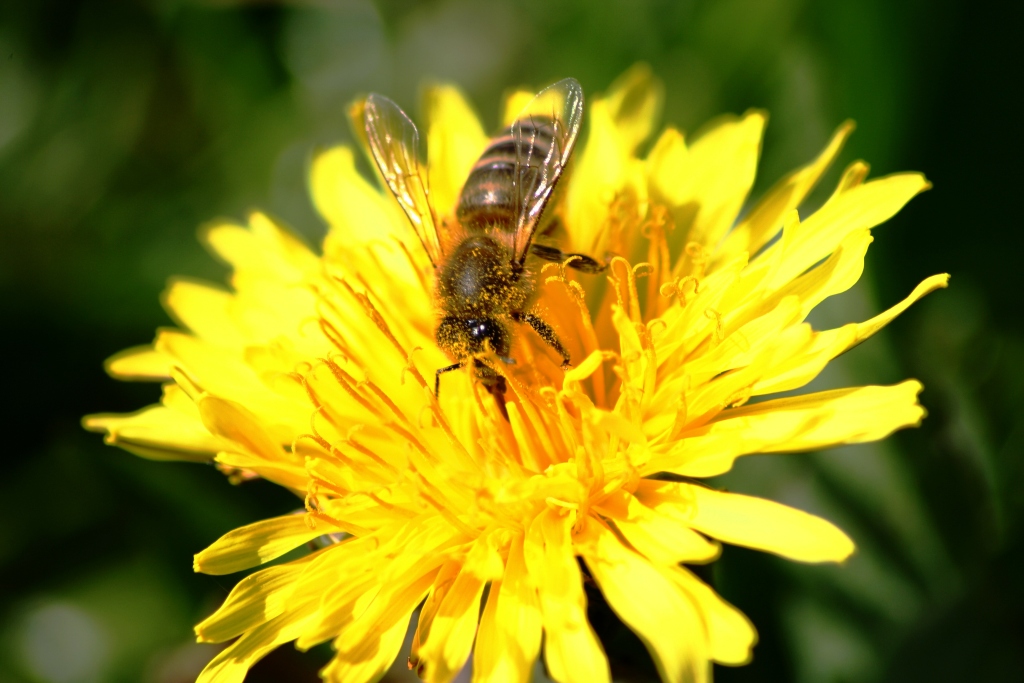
{"x":497,"y":390}
{"x":545,"y":332}
{"x":580,"y":262}
{"x":441,"y":371}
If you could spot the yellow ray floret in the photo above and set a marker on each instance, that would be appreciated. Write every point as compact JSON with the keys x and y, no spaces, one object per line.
{"x":316,"y":373}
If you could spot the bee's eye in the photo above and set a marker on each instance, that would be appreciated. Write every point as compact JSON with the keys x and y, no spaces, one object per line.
{"x":486,"y":329}
{"x":482,"y":329}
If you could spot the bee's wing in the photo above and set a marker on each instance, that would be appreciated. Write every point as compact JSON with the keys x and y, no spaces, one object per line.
{"x":394,"y":142}
{"x":543,"y":135}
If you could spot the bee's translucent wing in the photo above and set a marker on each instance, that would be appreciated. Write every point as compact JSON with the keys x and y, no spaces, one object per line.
{"x":544,"y":135}
{"x":394,"y":142}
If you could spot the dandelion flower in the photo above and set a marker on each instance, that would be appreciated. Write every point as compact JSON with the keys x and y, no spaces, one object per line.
{"x":312,"y":372}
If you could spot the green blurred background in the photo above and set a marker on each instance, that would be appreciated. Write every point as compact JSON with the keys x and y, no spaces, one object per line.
{"x":125,"y":125}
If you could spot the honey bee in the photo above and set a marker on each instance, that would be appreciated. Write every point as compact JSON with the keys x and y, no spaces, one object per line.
{"x":483,"y":285}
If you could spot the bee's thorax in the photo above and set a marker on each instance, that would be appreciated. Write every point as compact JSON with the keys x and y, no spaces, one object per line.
{"x":479,"y":279}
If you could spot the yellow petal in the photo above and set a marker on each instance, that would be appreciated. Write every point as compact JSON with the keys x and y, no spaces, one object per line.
{"x":292,"y":477}
{"x":172,"y":431}
{"x":765,"y":220}
{"x":233,"y":421}
{"x":491,"y":659}
{"x":598,"y":177}
{"x":571,"y":649}
{"x":660,"y":538}
{"x":455,"y":140}
{"x":232,"y":664}
{"x":653,"y":607}
{"x":263,"y":250}
{"x":731,"y":635}
{"x":801,"y":368}
{"x":515,"y":103}
{"x":255,"y":544}
{"x":451,"y":625}
{"x":343,"y":580}
{"x":635,"y":100}
{"x":355,"y":209}
{"x":254,"y":600}
{"x":767,"y":525}
{"x":668,"y":162}
{"x":861,"y":207}
{"x":741,"y":347}
{"x":214,"y":369}
{"x":404,"y":567}
{"x":707,"y":184}
{"x":838,"y":273}
{"x":749,"y":521}
{"x":361,"y":641}
{"x":139,"y":364}
{"x":344,"y":668}
{"x":801,"y":423}
{"x":585,"y":369}
{"x":706,"y":401}
{"x":870,"y":327}
{"x":205,"y":310}
{"x":508,"y":640}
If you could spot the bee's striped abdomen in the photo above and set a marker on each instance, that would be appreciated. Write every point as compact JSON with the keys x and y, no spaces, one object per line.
{"x":493,"y":194}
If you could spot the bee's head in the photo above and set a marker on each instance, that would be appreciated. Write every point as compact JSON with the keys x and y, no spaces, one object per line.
{"x":464,"y":337}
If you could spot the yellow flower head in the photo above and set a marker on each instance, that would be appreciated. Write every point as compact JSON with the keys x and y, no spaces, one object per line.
{"x":316,"y":373}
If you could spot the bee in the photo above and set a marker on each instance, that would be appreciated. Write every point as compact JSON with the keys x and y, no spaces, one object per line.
{"x":483,"y":285}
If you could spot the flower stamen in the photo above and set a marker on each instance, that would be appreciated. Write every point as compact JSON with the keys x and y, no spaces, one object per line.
{"x":718,"y":335}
